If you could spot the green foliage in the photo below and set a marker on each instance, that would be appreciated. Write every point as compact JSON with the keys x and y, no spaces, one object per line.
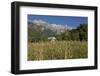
{"x":36,"y":36}
{"x":83,"y":31}
{"x":78,"y":34}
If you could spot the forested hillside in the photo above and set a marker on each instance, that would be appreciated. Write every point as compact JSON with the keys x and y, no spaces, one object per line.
{"x":41,"y":32}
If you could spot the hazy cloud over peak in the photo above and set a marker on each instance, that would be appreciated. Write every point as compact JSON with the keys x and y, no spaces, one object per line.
{"x":50,"y":26}
{"x":39,"y":21}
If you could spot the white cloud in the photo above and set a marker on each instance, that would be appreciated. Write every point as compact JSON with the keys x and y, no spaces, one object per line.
{"x":39,"y":21}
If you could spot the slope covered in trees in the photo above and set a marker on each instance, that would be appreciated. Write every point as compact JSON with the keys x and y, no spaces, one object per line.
{"x":37,"y":34}
{"x":78,"y":34}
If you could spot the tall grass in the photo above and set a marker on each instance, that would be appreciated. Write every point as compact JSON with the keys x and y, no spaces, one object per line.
{"x":57,"y":50}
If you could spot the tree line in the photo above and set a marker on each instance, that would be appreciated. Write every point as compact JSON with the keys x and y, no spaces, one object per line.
{"x":78,"y":34}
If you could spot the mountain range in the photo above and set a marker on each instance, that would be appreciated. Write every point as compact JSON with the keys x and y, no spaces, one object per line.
{"x":41,"y":25}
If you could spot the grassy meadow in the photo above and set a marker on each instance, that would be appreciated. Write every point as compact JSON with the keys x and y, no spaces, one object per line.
{"x":57,"y":50}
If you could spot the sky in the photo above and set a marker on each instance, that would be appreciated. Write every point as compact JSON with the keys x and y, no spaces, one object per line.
{"x":72,"y":21}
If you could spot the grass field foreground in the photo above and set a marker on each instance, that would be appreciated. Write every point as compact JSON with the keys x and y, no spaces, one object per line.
{"x":57,"y":50}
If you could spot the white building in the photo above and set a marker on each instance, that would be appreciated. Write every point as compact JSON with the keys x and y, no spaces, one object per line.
{"x":51,"y":38}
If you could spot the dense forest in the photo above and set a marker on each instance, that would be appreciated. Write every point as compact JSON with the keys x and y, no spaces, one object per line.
{"x":78,"y":34}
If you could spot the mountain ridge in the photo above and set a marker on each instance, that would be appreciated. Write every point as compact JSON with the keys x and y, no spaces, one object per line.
{"x":42,"y":25}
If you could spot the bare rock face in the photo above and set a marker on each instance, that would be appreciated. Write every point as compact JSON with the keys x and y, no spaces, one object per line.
{"x":41,"y":25}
